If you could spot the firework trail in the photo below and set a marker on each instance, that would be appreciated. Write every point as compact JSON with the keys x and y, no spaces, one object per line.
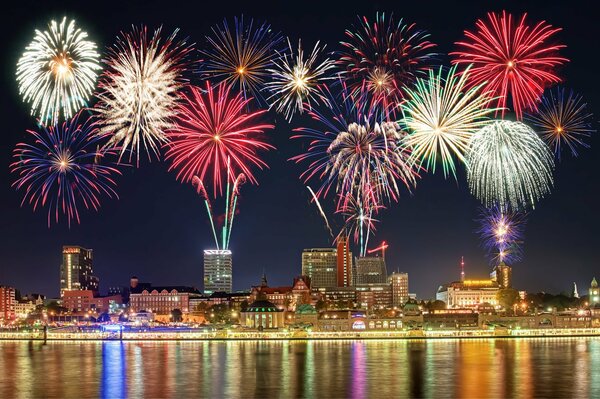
{"x":139,"y":91}
{"x":316,"y":201}
{"x":562,"y":120}
{"x":511,"y":60}
{"x":61,"y":171}
{"x":57,"y":71}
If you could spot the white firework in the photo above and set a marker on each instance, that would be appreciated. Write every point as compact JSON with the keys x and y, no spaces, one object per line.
{"x":509,"y":166}
{"x":442,"y":116}
{"x":295,"y":80}
{"x":139,"y":91}
{"x":58,"y":71}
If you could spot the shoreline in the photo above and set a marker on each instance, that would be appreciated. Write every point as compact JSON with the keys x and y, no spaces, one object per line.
{"x":313,"y":336}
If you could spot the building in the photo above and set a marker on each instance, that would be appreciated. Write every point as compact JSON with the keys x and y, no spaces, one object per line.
{"x":594,"y":293}
{"x":262,"y":314}
{"x":27,"y":305}
{"x":374,"y":296}
{"x":370,"y":270}
{"x":502,"y":274}
{"x":286,"y":297}
{"x":79,"y":301}
{"x":7,"y":304}
{"x":76,"y":270}
{"x":340,"y":297}
{"x":344,"y":262}
{"x":399,"y":283}
{"x":162,"y":300}
{"x":218,"y":271}
{"x":468,"y":293}
{"x":321,"y":266}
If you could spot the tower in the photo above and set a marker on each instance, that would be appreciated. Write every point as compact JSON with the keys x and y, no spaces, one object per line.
{"x":575,"y":294}
{"x":462,"y":268}
{"x":594,"y":292}
{"x":76,"y":270}
{"x":502,"y":274}
{"x":218,"y":271}
{"x":344,"y":262}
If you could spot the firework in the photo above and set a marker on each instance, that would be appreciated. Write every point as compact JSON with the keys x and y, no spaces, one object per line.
{"x":502,"y":234}
{"x":358,"y":213}
{"x":353,"y":154}
{"x":509,"y":59}
{"x":295,"y":79}
{"x":562,"y":120}
{"x":138,"y":91}
{"x":442,"y":115}
{"x":321,"y":211}
{"x":61,"y":170}
{"x":509,"y":166}
{"x":383,"y":56}
{"x":242,"y":55}
{"x":214,"y":134}
{"x":57,"y":71}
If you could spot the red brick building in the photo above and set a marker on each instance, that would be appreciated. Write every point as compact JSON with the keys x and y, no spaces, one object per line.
{"x":7,"y":304}
{"x":85,"y":301}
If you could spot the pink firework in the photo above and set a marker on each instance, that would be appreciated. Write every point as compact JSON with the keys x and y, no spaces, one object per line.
{"x":511,"y":59}
{"x":216,"y":135}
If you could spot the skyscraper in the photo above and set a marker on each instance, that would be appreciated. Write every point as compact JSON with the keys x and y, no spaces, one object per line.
{"x":320,"y":264}
{"x":76,"y":270}
{"x":344,"y":262}
{"x":7,"y":303}
{"x":370,"y":270}
{"x":399,"y":283}
{"x":502,"y":274}
{"x":218,"y":271}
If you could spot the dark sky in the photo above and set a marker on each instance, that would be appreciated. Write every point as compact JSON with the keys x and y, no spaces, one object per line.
{"x":158,"y":228}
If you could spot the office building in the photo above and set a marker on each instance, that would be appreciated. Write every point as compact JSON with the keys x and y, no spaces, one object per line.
{"x":374,"y":296}
{"x":370,"y":270}
{"x":218,"y":271}
{"x":76,"y":270}
{"x":502,"y":274}
{"x":399,"y":284}
{"x":7,"y":304}
{"x":320,"y":265}
{"x":344,"y":262}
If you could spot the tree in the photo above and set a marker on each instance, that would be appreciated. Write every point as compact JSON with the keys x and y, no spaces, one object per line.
{"x":435,"y":305}
{"x":507,"y":298}
{"x":54,"y":307}
{"x":176,"y":316}
{"x":220,"y":313}
{"x":321,"y":305}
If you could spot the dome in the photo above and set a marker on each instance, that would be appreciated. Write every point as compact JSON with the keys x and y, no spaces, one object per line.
{"x":306,"y":309}
{"x":262,"y":306}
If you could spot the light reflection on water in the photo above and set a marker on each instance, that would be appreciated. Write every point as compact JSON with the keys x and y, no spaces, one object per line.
{"x":502,"y":368}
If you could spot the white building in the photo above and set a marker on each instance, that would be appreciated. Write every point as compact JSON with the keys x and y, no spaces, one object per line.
{"x":320,"y":264}
{"x":218,"y":271}
{"x":468,"y":293}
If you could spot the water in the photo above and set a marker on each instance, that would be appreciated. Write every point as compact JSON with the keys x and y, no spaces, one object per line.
{"x":502,"y":368}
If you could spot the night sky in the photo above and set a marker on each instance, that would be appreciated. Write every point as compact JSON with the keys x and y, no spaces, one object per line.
{"x":158,"y":228}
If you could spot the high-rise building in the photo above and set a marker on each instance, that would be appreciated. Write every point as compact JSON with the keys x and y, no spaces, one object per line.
{"x":76,"y":270}
{"x":320,"y":265}
{"x":370,"y":270}
{"x":7,"y":304}
{"x":502,"y":274}
{"x":399,"y":283}
{"x":344,"y":262}
{"x":218,"y":271}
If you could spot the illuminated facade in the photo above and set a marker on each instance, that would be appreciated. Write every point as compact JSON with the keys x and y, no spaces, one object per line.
{"x":76,"y":270}
{"x":162,"y":300}
{"x":374,"y":297}
{"x":399,"y":284}
{"x":344,"y":262}
{"x":370,"y":270}
{"x":262,"y":314}
{"x":502,"y":274}
{"x":86,"y":301}
{"x":218,"y":271}
{"x":7,"y":304}
{"x":594,"y":292}
{"x":320,"y":265}
{"x":468,"y":293}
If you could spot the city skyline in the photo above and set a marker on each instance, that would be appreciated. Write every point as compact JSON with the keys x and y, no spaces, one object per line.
{"x":158,"y":228}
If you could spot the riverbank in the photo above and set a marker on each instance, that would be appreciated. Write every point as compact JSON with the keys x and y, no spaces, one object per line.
{"x":295,"y":335}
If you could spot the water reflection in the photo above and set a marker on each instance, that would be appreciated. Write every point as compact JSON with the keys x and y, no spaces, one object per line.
{"x":355,"y":369}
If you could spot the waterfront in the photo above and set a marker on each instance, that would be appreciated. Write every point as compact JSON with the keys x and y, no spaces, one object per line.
{"x":536,"y":367}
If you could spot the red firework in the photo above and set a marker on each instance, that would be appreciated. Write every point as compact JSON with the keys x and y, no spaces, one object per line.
{"x":213,"y":129}
{"x":515,"y":60}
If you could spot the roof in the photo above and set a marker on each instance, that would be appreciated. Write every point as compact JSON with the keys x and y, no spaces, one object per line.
{"x":262,"y":306}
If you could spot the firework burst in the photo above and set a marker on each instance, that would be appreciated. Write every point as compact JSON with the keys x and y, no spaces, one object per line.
{"x":359,"y":219}
{"x":509,"y":166}
{"x":215,"y":135}
{"x":383,"y":56}
{"x":562,"y":120}
{"x":138,"y":91}
{"x":242,"y":55}
{"x":511,"y":59}
{"x":501,"y":234}
{"x":60,"y":170}
{"x":57,"y":71}
{"x":295,"y":79}
{"x":442,"y":115}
